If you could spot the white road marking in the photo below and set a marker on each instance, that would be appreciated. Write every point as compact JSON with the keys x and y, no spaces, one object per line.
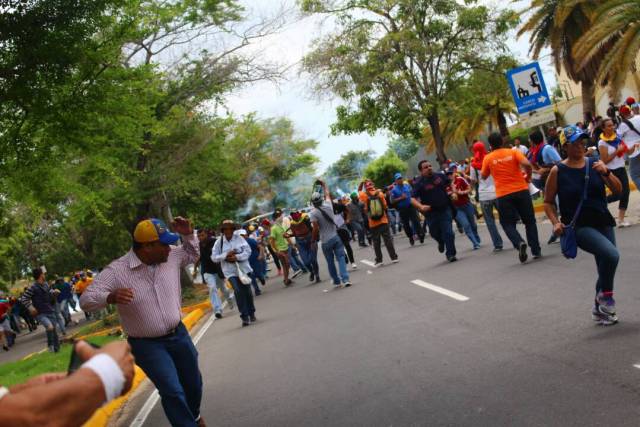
{"x":152,"y":400}
{"x":636,"y":366}
{"x":367,"y":262}
{"x":440,"y":290}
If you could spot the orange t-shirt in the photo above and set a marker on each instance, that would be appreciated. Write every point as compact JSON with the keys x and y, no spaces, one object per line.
{"x":504,"y":166}
{"x":364,"y":198}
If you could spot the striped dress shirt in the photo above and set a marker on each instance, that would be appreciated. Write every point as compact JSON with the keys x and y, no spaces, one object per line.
{"x":156,"y":307}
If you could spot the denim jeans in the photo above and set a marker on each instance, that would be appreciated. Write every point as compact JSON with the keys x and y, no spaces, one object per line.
{"x":518,"y":205}
{"x":308,"y":253}
{"x":64,"y":309}
{"x":410,"y":222}
{"x":49,"y":322}
{"x":358,"y":229}
{"x":466,"y":216}
{"x":601,"y":243}
{"x":392,"y":215}
{"x":333,"y":248}
{"x":171,"y":363}
{"x":294,"y":260}
{"x":59,"y":318}
{"x":441,"y":229}
{"x":634,"y":171}
{"x":487,"y":211}
{"x":214,"y":282}
{"x":244,"y":298}
{"x":623,"y":196}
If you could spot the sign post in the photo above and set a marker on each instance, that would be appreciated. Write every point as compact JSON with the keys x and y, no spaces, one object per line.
{"x":530,"y":95}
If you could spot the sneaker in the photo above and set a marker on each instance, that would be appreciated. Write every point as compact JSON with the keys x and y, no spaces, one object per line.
{"x":253,"y":318}
{"x":262,"y":281}
{"x":296,"y":274}
{"x":354,"y":266}
{"x":602,"y":319}
{"x":522,"y":252}
{"x":347,"y":284}
{"x":395,"y":261}
{"x":218,"y":315}
{"x":476,"y":247}
{"x":495,"y":250}
{"x":422,"y":239}
{"x":245,"y":323}
{"x":378,"y":264}
{"x":312,"y":277}
{"x":258,"y":293}
{"x":624,"y":224}
{"x":411,"y":241}
{"x":441,"y":247}
{"x":537,"y":256}
{"x":606,"y":303}
{"x":452,"y":258}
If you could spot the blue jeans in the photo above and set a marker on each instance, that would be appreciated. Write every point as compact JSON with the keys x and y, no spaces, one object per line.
{"x":634,"y":170}
{"x":294,"y":260}
{"x":309,"y":254}
{"x":49,"y":322}
{"x":441,"y":229}
{"x":358,"y":228}
{"x":214,"y":283}
{"x":392,"y":214}
{"x":601,"y":242}
{"x":171,"y":363}
{"x":331,"y":249}
{"x":466,"y":216}
{"x":487,"y":211}
{"x":244,"y":298}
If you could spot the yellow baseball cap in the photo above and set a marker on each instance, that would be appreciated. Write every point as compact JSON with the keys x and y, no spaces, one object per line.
{"x":151,"y":230}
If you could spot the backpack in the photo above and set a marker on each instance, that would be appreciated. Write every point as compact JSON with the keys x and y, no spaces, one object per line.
{"x":375,"y":207}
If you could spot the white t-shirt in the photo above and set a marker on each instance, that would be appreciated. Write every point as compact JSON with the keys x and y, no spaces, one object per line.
{"x":629,"y":136}
{"x":486,"y":187}
{"x":616,"y":162}
{"x":523,"y":149}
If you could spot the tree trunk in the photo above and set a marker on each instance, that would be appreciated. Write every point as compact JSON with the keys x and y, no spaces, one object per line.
{"x":434,"y":124}
{"x":588,"y":99}
{"x":502,"y":123}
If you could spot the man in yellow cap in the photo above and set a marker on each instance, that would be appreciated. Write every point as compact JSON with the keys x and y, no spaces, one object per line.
{"x":145,"y":286}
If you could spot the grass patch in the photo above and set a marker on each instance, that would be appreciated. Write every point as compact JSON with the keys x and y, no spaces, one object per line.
{"x":17,"y":372}
{"x":108,"y":322}
{"x":194,"y":294}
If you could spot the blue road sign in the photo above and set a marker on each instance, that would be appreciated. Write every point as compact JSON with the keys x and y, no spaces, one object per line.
{"x":528,"y":88}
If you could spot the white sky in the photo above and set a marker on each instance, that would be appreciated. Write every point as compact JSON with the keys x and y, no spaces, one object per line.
{"x":293,"y":99}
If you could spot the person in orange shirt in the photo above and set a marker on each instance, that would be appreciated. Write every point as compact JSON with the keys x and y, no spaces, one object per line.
{"x":375,"y":207}
{"x":512,"y":191}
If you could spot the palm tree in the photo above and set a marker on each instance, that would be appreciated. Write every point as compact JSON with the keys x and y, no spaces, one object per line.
{"x":616,"y":23}
{"x":559,"y":24}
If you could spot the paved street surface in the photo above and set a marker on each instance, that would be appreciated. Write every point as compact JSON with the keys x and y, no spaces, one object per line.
{"x":522,"y":350}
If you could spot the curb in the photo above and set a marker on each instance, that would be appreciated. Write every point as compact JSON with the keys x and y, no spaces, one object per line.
{"x":101,"y":417}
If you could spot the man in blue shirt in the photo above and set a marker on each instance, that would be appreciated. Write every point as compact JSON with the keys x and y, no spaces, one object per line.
{"x":431,"y":197}
{"x":401,"y":197}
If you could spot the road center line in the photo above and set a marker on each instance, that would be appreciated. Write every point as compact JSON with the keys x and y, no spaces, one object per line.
{"x":440,"y":290}
{"x":367,"y":262}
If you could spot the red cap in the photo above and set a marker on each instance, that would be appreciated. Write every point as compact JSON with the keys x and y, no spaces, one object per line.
{"x":630,"y":100}
{"x":625,"y":109}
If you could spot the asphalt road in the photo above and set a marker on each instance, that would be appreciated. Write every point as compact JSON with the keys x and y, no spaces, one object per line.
{"x":522,"y":350}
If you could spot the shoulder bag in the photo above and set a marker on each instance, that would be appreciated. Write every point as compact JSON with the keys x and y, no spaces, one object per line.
{"x":568,"y":241}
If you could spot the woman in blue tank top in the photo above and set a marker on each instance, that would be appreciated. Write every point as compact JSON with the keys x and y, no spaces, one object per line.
{"x":594,"y":225}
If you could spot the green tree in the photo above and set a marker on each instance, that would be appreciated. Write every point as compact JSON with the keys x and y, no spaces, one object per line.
{"x":558,"y":25}
{"x":394,"y":61}
{"x":405,"y":148}
{"x":616,"y":24}
{"x":382,"y":169}
{"x":348,"y":169}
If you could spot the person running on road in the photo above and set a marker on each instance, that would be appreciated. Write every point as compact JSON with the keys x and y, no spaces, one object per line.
{"x":431,"y":197}
{"x":465,"y":212}
{"x":266,"y":232}
{"x":280,"y":244}
{"x":233,"y":252}
{"x":375,"y":206}
{"x":401,"y":196}
{"x":486,"y":194}
{"x":38,"y":300}
{"x":612,"y":150}
{"x":325,"y":230}
{"x":512,"y":191}
{"x":301,"y":229}
{"x":357,"y":219}
{"x":145,"y":286}
{"x":594,"y":226}
{"x":212,"y":273}
{"x":295,"y":263}
{"x":341,"y":216}
{"x":254,"y":261}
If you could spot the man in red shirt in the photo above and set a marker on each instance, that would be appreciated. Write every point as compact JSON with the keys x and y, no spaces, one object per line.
{"x":465,"y":212}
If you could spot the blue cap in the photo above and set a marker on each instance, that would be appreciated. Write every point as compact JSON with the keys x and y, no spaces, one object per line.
{"x":573,"y":133}
{"x":397,"y":176}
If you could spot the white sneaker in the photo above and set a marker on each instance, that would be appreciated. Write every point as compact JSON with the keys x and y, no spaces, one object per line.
{"x":354,"y":266}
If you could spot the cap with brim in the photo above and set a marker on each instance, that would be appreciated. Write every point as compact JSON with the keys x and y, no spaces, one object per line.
{"x":242,"y":232}
{"x":573,"y":134}
{"x":227,"y":223}
{"x":152,"y":230}
{"x":397,"y":176}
